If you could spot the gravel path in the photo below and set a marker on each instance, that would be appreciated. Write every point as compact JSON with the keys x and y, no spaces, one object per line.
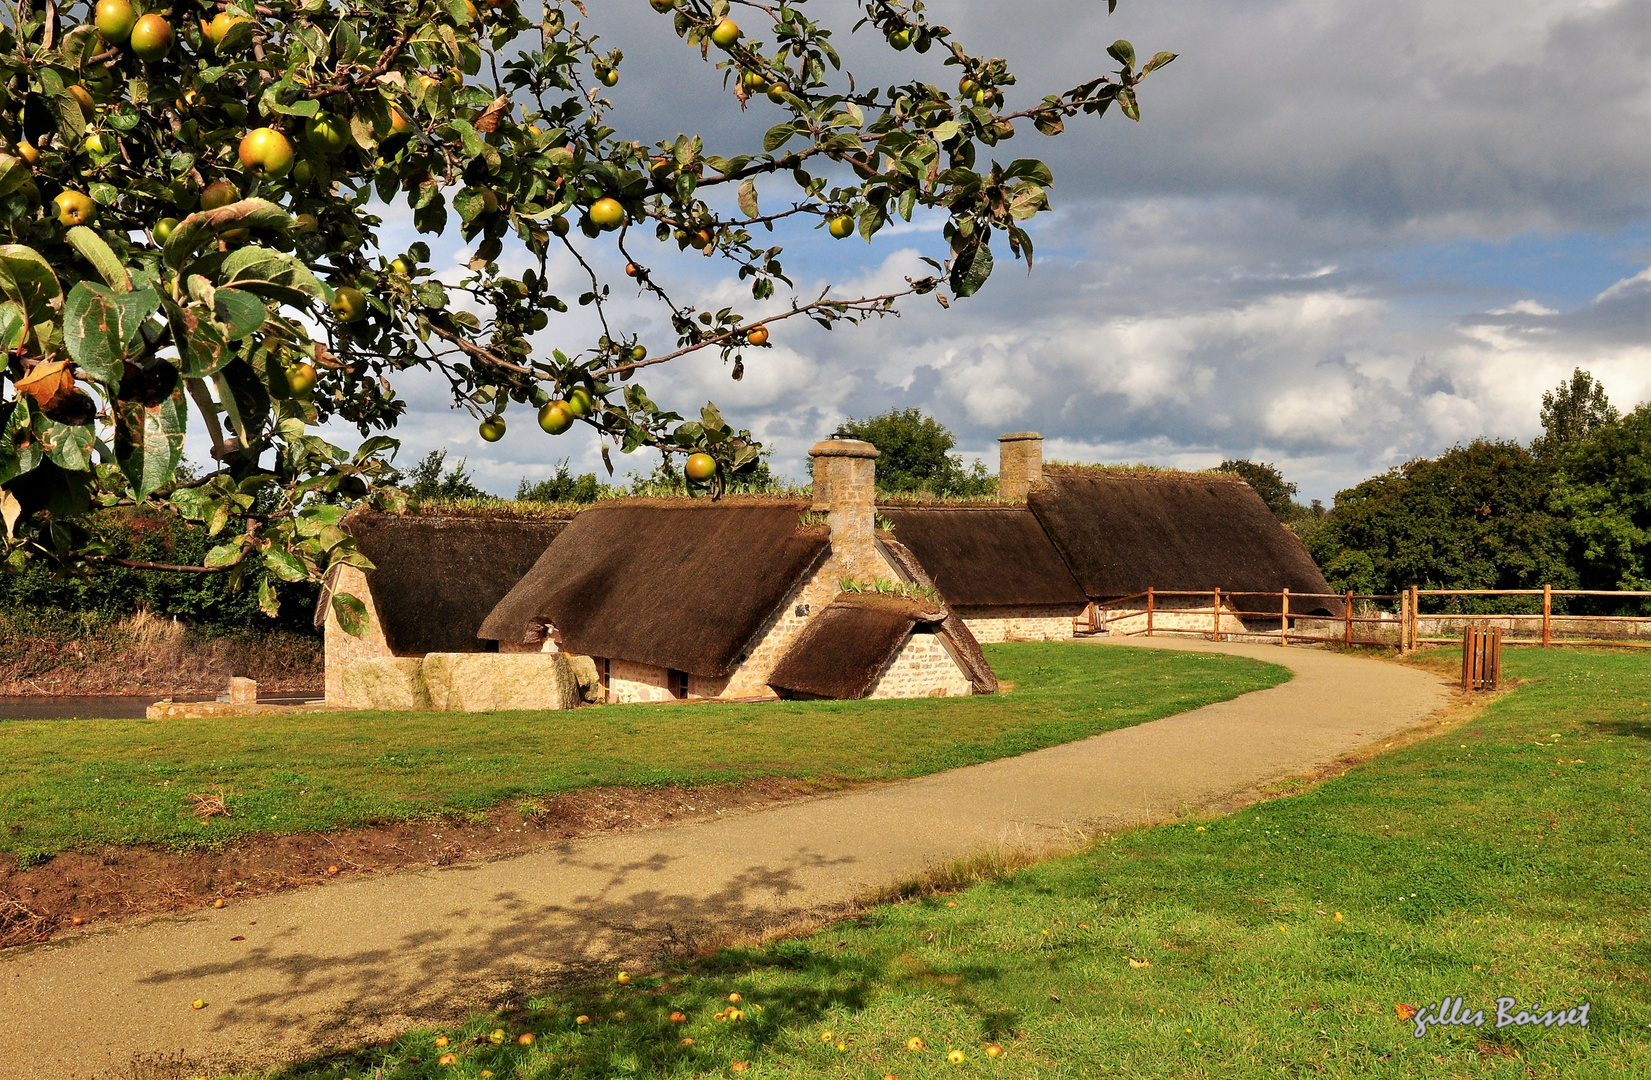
{"x":293,"y":974}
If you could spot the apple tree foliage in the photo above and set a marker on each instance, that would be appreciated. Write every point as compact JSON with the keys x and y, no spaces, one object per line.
{"x":190,"y":215}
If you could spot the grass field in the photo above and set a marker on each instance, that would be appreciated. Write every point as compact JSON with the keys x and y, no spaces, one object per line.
{"x":68,"y":784}
{"x":1503,"y":857}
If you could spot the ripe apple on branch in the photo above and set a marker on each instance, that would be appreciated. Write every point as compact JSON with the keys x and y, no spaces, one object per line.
{"x":189,"y":217}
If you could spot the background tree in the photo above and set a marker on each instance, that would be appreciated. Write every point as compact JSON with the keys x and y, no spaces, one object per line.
{"x":915,"y":451}
{"x":1571,"y":413}
{"x":1476,"y":517}
{"x":188,"y":216}
{"x":1267,"y":482}
{"x":563,"y":487}
{"x":1605,"y":496}
{"x":1279,"y":495}
{"x":427,"y":480}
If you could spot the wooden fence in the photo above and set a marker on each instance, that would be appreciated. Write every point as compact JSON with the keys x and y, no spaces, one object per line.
{"x":1365,"y":618}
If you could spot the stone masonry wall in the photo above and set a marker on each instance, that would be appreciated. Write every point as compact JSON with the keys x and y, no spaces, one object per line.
{"x":1017,"y":624}
{"x":340,"y":649}
{"x":922,"y":668}
{"x":629,"y":683}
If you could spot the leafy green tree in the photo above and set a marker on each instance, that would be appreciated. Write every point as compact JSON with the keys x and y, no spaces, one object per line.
{"x":915,"y":455}
{"x":564,"y":487}
{"x":1606,"y":498}
{"x":1268,"y":482}
{"x":1476,"y":517}
{"x":188,"y":223}
{"x":427,"y":481}
{"x":1571,"y":413}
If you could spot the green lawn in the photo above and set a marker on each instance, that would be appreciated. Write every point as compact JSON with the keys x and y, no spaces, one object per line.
{"x":1503,"y":858}
{"x":83,"y":783}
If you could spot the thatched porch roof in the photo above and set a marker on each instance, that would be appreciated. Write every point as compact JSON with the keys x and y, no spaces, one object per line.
{"x":844,"y":648}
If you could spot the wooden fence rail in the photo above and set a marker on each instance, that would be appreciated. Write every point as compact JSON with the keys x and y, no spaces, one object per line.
{"x":1290,"y":611}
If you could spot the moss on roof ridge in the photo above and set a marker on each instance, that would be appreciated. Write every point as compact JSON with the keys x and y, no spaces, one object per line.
{"x":1128,"y":471}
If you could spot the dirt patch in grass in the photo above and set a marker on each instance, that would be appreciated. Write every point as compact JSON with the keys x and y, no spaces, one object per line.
{"x":120,"y":883}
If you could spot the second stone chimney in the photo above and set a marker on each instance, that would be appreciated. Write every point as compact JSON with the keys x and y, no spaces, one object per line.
{"x":845,"y":490}
{"x":1020,"y":463}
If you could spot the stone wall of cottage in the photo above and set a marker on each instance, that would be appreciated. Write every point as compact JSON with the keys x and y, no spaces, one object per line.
{"x":629,"y":683}
{"x":1031,"y":623}
{"x":923,"y":667}
{"x":340,"y":649}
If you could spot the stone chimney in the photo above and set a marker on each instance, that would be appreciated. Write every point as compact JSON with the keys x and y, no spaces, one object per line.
{"x":1020,"y":463}
{"x":845,"y":489}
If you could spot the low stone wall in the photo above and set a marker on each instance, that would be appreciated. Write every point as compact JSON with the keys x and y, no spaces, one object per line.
{"x":461,"y":682}
{"x":1017,"y":624}
{"x":923,"y":667}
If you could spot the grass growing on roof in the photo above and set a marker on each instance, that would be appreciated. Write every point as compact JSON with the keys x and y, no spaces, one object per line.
{"x":1503,"y":858}
{"x":82,"y":783}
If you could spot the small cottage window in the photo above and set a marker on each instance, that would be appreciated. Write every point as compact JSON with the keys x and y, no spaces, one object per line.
{"x":677,"y":682}
{"x":602,"y":675}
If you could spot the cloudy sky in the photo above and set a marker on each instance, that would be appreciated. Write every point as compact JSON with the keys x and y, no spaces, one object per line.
{"x":1343,"y":235}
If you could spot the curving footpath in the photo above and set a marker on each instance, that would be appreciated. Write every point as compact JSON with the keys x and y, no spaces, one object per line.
{"x":354,"y":961}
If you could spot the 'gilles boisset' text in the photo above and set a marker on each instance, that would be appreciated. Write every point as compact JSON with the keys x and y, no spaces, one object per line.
{"x":1452,"y":1012}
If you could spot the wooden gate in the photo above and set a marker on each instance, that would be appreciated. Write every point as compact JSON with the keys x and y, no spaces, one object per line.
{"x":1481,"y":658}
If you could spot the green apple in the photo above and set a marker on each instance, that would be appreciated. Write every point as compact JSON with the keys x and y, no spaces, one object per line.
{"x":163,"y":229}
{"x":842,"y":226}
{"x":75,"y":208}
{"x":266,"y":152}
{"x":492,"y":429}
{"x":607,"y":213}
{"x":349,"y":304}
{"x":114,"y":20}
{"x":219,"y":194}
{"x":301,"y":378}
{"x":327,"y":134}
{"x":556,"y":417}
{"x":725,"y":34}
{"x":701,"y":467}
{"x":151,"y":37}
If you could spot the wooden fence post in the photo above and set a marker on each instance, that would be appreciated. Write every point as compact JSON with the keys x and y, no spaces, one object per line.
{"x":1404,"y":622}
{"x":1415,"y":615}
{"x":1547,"y":610}
{"x":1216,"y":636}
{"x":1284,"y":622}
{"x":1149,"y":611}
{"x":1349,"y":618}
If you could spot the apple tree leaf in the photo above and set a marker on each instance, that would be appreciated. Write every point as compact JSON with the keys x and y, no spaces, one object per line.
{"x":351,"y":612}
{"x":150,"y":420}
{"x":96,"y":251}
{"x":271,"y":274}
{"x":240,"y":312}
{"x":971,"y":268}
{"x":100,"y":326}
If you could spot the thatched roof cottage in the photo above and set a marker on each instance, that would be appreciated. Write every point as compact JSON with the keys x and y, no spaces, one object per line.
{"x":434,"y":580}
{"x":692,"y":599}
{"x":742,"y":598}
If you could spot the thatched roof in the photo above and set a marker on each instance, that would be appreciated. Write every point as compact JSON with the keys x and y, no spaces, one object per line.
{"x":844,"y":648}
{"x":1122,"y":534}
{"x":964,"y":646}
{"x":682,"y":584}
{"x":438,"y":577}
{"x":987,"y":556}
